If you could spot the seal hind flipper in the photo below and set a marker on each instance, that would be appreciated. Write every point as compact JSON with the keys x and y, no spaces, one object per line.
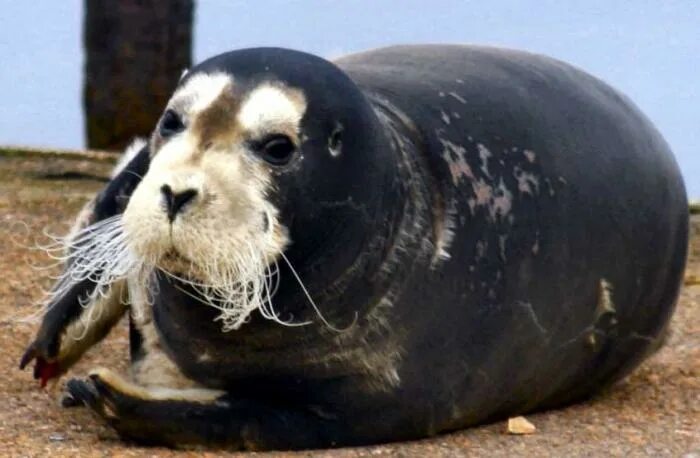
{"x":71,"y":326}
{"x":178,"y":418}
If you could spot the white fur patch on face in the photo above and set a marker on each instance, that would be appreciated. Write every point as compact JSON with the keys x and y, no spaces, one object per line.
{"x":268,"y":108}
{"x":200,"y":91}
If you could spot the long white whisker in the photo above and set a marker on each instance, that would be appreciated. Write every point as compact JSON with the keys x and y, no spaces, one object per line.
{"x":311,"y":301}
{"x":243,"y":282}
{"x":98,"y":253}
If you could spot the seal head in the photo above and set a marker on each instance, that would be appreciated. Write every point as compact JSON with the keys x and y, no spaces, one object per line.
{"x":258,"y":151}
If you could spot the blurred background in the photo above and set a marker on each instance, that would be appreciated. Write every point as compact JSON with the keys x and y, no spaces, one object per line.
{"x":117,"y":61}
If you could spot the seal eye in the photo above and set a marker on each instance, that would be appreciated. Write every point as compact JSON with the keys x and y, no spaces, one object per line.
{"x":171,"y":124}
{"x":277,"y":149}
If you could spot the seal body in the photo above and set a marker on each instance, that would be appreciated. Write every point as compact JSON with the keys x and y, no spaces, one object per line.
{"x":491,"y":232}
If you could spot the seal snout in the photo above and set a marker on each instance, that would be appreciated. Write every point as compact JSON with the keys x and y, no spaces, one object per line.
{"x":176,"y":201}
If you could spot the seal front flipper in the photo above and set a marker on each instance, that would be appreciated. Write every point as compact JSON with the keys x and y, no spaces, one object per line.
{"x":76,"y":318}
{"x":68,"y":331}
{"x":181,"y":418}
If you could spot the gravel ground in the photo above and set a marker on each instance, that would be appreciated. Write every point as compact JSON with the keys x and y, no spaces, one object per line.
{"x":654,"y":412}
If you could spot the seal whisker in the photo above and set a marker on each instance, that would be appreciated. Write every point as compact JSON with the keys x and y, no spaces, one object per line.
{"x":98,"y":253}
{"x":245,"y":283}
{"x":137,"y":175}
{"x":271,"y":284}
{"x":311,"y":301}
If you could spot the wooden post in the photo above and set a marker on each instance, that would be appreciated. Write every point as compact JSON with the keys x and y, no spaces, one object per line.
{"x":135,"y":51}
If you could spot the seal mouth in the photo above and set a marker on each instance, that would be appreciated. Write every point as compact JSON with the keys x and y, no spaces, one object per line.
{"x":172,"y":254}
{"x":175,"y":262}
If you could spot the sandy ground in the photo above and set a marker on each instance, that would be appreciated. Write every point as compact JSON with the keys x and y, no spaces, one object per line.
{"x":654,"y":412}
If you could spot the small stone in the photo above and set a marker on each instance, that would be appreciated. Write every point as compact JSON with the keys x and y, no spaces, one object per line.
{"x":57,"y":437}
{"x":520,"y":425}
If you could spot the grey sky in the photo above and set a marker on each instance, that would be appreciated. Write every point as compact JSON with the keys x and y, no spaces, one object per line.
{"x":648,"y":49}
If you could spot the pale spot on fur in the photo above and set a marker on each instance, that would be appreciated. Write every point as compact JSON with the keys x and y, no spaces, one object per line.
{"x":455,"y":156}
{"x":502,"y":239}
{"x":484,"y":155}
{"x":445,"y":232}
{"x":536,"y":246}
{"x":530,"y":155}
{"x":502,"y":201}
{"x":481,"y":247}
{"x":269,"y":107}
{"x":483,"y":192}
{"x":498,"y":200}
{"x":204,"y":357}
{"x":200,"y":91}
{"x":605,"y":302}
{"x":445,"y":117}
{"x":527,"y":182}
{"x":458,"y":97}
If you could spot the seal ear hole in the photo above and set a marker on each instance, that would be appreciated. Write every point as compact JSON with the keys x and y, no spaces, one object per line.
{"x":335,"y":141}
{"x":276,"y":149}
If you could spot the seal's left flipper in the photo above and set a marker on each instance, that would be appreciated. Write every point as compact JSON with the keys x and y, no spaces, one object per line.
{"x":179,"y":418}
{"x":67,"y":332}
{"x":73,"y":322}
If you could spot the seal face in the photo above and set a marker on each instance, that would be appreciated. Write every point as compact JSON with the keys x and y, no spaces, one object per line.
{"x":202,"y":211}
{"x":215,"y":208}
{"x":411,"y":240}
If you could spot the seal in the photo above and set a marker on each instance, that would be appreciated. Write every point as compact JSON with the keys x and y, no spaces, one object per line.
{"x":407,"y":241}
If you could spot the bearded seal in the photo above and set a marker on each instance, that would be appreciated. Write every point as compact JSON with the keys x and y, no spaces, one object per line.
{"x":407,"y":241}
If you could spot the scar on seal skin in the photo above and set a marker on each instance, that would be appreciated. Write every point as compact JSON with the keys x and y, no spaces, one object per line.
{"x":403,"y":242}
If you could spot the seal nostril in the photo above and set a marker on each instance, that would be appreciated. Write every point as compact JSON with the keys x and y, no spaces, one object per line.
{"x":181,"y":199}
{"x":166,"y":190}
{"x":167,"y":198}
{"x":175,"y":202}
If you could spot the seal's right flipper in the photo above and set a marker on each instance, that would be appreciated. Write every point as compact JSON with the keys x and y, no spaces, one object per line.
{"x":76,"y":318}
